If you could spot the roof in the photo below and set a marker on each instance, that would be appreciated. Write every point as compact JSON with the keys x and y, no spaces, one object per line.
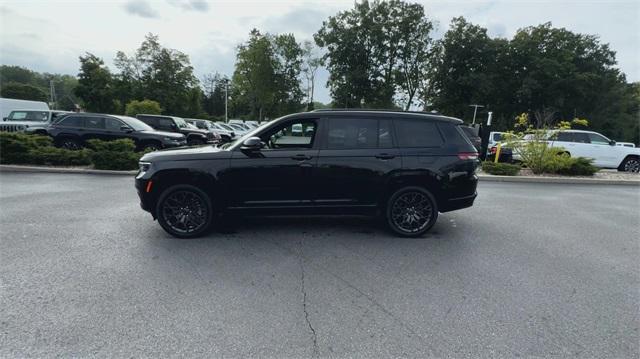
{"x":416,"y":114}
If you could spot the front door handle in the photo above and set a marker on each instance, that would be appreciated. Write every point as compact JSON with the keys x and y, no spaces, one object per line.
{"x":300,"y":157}
{"x":385,"y":156}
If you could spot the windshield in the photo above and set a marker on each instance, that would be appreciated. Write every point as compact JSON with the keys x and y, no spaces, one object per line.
{"x":247,"y":135}
{"x":181,"y":123}
{"x":226,"y":127}
{"x":28,"y":116}
{"x":136,"y":124}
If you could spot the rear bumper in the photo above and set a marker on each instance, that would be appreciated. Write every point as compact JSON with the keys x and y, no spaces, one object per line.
{"x":458,"y":203}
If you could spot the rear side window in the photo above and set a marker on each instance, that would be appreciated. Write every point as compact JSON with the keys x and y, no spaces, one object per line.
{"x":454,"y":134}
{"x":417,"y":133}
{"x":357,"y":133}
{"x":72,"y":121}
{"x":565,"y":137}
{"x":94,"y":122}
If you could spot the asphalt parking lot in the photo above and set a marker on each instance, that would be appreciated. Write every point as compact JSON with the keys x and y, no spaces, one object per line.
{"x":530,"y":270}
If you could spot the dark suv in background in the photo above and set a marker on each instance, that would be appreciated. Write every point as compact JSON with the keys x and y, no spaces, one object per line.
{"x":405,"y":166}
{"x":73,"y":130}
{"x":194,"y":135}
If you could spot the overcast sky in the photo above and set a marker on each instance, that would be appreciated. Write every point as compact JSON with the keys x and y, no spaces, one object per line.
{"x":48,"y":36}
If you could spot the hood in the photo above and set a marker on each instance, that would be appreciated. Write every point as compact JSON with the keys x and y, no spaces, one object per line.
{"x":177,"y":136}
{"x":186,"y":154}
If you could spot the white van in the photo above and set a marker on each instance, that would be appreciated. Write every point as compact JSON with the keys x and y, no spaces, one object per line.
{"x":10,"y":104}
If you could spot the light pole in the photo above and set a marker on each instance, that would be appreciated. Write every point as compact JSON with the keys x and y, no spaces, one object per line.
{"x":226,"y":99}
{"x":475,"y":110}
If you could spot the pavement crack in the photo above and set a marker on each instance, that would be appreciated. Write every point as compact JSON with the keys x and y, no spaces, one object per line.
{"x":314,"y":336}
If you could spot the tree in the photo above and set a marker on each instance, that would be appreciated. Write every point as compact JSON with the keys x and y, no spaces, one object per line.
{"x":160,"y":74}
{"x":95,"y":85}
{"x":214,"y":94}
{"x":311,"y":63}
{"x":23,"y":92}
{"x":374,"y":49}
{"x":288,"y":66}
{"x":145,"y":106}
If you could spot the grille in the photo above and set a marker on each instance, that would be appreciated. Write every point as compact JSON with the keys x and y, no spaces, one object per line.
{"x":11,"y":128}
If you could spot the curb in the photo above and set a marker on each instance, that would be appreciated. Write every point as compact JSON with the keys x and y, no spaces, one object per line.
{"x":39,"y":169}
{"x":574,"y":180}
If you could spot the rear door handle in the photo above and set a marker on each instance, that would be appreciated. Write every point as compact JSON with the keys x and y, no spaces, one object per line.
{"x":300,"y":157}
{"x":385,"y":156}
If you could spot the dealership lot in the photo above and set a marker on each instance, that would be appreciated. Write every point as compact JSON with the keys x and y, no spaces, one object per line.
{"x":530,"y":270}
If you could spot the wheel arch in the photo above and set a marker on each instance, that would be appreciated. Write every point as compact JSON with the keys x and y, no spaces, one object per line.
{"x":164,"y":179}
{"x":428,"y":180}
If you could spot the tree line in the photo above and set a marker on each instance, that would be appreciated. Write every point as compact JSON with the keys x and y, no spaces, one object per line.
{"x":379,"y":54}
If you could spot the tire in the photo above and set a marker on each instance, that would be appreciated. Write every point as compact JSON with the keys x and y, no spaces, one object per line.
{"x":70,"y":143}
{"x":411,"y":211}
{"x":196,"y":142}
{"x":181,"y":204}
{"x":151,"y":146}
{"x":630,"y":164}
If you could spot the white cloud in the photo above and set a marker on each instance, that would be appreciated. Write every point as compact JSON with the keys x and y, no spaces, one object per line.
{"x":140,"y":8}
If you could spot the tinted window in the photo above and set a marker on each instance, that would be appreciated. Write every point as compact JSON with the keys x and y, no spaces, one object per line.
{"x":565,"y":137}
{"x":497,"y":137}
{"x":352,"y":133}
{"x":385,"y":137}
{"x":165,"y":123}
{"x":580,"y":137}
{"x":72,"y":121}
{"x":417,"y":133}
{"x":94,"y":122}
{"x":28,"y":116}
{"x":598,"y":139}
{"x":112,"y":124}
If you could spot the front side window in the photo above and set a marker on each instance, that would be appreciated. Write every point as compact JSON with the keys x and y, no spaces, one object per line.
{"x":581,"y":137}
{"x":94,"y":122}
{"x":417,"y":133}
{"x":112,"y":124}
{"x":165,"y":123}
{"x":291,"y":135}
{"x":180,"y":123}
{"x":598,"y":139}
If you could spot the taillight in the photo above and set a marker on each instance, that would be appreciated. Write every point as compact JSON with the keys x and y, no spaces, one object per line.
{"x":468,"y":155}
{"x":493,"y":150}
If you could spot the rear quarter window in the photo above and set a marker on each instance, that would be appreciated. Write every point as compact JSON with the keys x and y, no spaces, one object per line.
{"x":454,"y":135}
{"x":417,"y":133}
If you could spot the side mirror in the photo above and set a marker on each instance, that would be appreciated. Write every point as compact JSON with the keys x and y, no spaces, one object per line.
{"x":612,"y":143}
{"x":252,"y":144}
{"x":126,"y":129}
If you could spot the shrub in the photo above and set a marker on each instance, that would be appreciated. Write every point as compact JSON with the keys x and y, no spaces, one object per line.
{"x":60,"y":157}
{"x":21,"y":148}
{"x":575,"y":166}
{"x":145,"y":106}
{"x":500,"y":169}
{"x":114,"y":155}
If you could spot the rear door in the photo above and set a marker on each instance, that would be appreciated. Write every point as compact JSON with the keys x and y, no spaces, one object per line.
{"x":357,"y":155}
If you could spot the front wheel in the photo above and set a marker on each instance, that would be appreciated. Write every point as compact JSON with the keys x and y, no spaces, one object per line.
{"x":411,"y":211}
{"x":184,"y":211}
{"x":630,"y":164}
{"x":70,"y":144}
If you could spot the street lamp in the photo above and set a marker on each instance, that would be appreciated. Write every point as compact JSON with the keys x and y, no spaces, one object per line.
{"x":475,"y":110}
{"x":226,"y":100}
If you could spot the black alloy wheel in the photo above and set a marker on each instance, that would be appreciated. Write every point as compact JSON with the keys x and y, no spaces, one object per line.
{"x":184,"y":211}
{"x":411,"y":211}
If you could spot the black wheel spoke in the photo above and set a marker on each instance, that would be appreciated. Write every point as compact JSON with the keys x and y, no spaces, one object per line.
{"x":184,"y":211}
{"x":411,"y":211}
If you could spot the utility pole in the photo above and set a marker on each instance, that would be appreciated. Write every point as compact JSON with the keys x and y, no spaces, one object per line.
{"x":475,"y":110}
{"x":226,"y":99}
{"x":52,"y":94}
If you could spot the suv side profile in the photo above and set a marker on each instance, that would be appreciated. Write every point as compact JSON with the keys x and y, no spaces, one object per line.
{"x":72,"y":132}
{"x":194,"y":135}
{"x":405,"y":166}
{"x":31,"y":121}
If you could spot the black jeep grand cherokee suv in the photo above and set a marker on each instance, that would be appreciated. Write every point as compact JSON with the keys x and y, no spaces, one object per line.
{"x":405,"y":166}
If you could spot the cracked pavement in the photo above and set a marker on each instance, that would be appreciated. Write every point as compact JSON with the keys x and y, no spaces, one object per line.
{"x":531,"y":270}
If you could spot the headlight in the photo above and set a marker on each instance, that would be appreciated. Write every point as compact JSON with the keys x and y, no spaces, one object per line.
{"x":144,"y":166}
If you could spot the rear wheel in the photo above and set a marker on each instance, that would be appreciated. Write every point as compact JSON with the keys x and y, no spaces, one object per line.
{"x":630,"y":164}
{"x":184,"y":211}
{"x":411,"y":211}
{"x":70,"y":143}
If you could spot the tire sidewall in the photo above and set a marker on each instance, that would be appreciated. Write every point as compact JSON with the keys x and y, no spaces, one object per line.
{"x":394,"y":197}
{"x":184,"y":187}
{"x":624,"y":163}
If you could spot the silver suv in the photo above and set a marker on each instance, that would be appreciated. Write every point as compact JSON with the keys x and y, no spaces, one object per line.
{"x":30,"y":121}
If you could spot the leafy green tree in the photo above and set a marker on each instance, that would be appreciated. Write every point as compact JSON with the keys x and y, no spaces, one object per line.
{"x":373,"y":50}
{"x":145,"y":106}
{"x":23,"y":92}
{"x":311,"y":63}
{"x":95,"y":85}
{"x":214,"y":94}
{"x":160,"y":74}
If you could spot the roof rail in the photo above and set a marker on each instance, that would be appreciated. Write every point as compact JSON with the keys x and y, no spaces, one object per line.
{"x":375,"y":110}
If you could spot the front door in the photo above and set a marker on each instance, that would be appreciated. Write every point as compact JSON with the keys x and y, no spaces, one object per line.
{"x":278,"y":175}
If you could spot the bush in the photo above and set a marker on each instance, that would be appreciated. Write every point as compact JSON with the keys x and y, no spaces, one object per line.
{"x":145,"y":106}
{"x":500,"y":169}
{"x":22,"y":148}
{"x":573,"y":166}
{"x":54,"y":156}
{"x":114,"y":155}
